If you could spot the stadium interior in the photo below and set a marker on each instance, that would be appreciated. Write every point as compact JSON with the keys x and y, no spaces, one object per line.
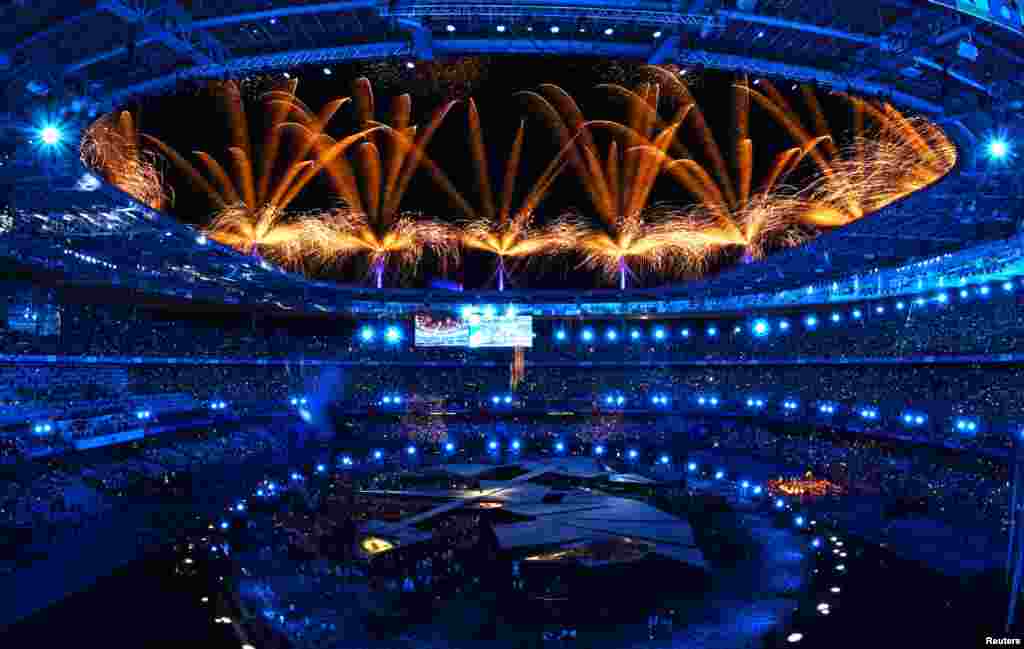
{"x":428,"y":324}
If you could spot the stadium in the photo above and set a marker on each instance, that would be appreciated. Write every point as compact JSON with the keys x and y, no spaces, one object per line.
{"x":450,"y":324}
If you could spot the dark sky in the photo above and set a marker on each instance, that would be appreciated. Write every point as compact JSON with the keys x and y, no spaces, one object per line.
{"x":190,"y":120}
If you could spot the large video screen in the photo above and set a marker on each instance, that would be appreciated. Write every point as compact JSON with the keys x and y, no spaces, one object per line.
{"x":475,"y":328}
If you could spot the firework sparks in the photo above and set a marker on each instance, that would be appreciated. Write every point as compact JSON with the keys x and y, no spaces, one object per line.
{"x":898,"y":156}
{"x":498,"y":228}
{"x":755,"y":218}
{"x":252,"y":199}
{"x":111,"y":147}
{"x":372,"y":187}
{"x":619,"y":182}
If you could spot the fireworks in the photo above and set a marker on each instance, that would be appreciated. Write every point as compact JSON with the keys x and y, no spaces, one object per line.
{"x":372,"y":188}
{"x":895,"y":158}
{"x":252,"y":200}
{"x":111,"y":147}
{"x":496,"y":227}
{"x":754,"y":218}
{"x":630,"y":234}
{"x":618,"y":163}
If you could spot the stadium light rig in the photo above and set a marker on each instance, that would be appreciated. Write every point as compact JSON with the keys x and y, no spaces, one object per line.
{"x":393,"y":335}
{"x":966,"y":425}
{"x":51,"y":135}
{"x":760,"y":328}
{"x":914,"y":419}
{"x":998,"y":148}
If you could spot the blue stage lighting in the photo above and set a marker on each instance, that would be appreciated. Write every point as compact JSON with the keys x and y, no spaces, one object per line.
{"x":783,"y":325}
{"x":633,"y":453}
{"x":495,"y":399}
{"x":799,"y":521}
{"x":516,"y":445}
{"x":492,"y":445}
{"x":712,"y":331}
{"x":685,"y":333}
{"x":347,"y":461}
{"x":760,"y":327}
{"x":816,"y":543}
{"x":51,"y":135}
{"x":609,"y":31}
{"x":664,"y":459}
{"x":758,"y":490}
{"x":634,"y":334}
{"x":744,"y":484}
{"x":984,"y":290}
{"x":501,"y":29}
{"x":779,"y":503}
{"x":449,"y":447}
{"x":836,"y":317}
{"x":598,"y":450}
{"x":320,"y":468}
{"x":393,"y":334}
{"x":223,"y":525}
{"x":857,"y":314}
{"x":998,"y":148}
{"x":611,"y":335}
{"x":659,"y":333}
{"x":560,"y":446}
{"x":656,"y":34}
{"x":713,"y":401}
{"x":450,"y":28}
{"x":367,"y":334}
{"x":942,"y":298}
{"x":588,"y":335}
{"x":411,"y":450}
{"x":899,"y":306}
{"x":691,"y":467}
{"x":508,"y":399}
{"x":719,"y":474}
{"x":811,"y":321}
{"x":619,"y":400}
{"x":560,"y":335}
{"x":378,"y":455}
{"x":879,"y":309}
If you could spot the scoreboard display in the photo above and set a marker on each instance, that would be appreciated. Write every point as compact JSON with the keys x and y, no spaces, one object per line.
{"x":475,"y":327}
{"x":1006,"y":13}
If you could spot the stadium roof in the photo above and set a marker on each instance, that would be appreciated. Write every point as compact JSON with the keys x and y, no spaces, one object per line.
{"x":74,"y":59}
